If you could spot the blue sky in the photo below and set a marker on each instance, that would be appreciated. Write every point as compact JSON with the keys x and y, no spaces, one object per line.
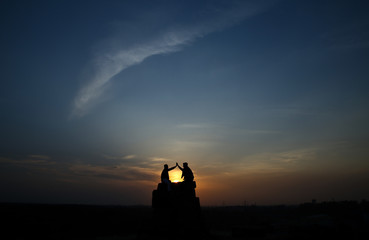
{"x":268,"y":96}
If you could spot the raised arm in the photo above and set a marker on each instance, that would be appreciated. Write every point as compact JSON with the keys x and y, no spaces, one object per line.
{"x":179,"y":167}
{"x":172,"y":168}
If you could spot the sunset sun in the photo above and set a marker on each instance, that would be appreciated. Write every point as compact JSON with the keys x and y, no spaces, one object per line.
{"x":175,"y":175}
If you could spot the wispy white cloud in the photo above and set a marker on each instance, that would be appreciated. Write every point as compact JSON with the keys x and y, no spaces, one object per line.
{"x":287,"y":157}
{"x":125,"y":157}
{"x":40,"y":157}
{"x":197,"y":125}
{"x":122,"y":168}
{"x":120,"y":172}
{"x":159,"y":159}
{"x":110,"y":63}
{"x":30,"y":160}
{"x":129,"y":157}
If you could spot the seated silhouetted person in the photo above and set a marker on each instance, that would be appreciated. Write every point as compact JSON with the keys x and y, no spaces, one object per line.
{"x":187,"y":174}
{"x":165,"y":175}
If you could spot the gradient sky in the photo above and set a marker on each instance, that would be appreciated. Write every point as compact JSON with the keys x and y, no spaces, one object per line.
{"x":266,"y":100}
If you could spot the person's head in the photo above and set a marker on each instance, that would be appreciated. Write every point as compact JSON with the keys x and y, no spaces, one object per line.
{"x":165,"y":166}
{"x":185,"y":164}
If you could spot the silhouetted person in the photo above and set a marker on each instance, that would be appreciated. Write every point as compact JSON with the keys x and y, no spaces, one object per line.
{"x":165,"y":175}
{"x":187,"y":174}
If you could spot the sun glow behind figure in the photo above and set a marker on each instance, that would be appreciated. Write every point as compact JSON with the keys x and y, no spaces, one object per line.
{"x":175,"y":175}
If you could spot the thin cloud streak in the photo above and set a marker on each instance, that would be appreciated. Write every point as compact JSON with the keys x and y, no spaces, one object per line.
{"x":111,"y":63}
{"x":32,"y":160}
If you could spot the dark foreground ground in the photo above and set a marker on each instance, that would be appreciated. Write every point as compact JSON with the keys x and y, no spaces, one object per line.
{"x":330,"y":220}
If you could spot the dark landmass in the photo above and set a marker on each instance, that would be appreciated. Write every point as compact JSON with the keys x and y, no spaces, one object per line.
{"x":331,"y":220}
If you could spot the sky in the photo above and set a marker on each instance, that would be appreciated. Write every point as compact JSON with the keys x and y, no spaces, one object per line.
{"x":267,"y":101}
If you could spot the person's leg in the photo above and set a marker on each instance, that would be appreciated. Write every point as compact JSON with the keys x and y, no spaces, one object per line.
{"x":167,"y":182}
